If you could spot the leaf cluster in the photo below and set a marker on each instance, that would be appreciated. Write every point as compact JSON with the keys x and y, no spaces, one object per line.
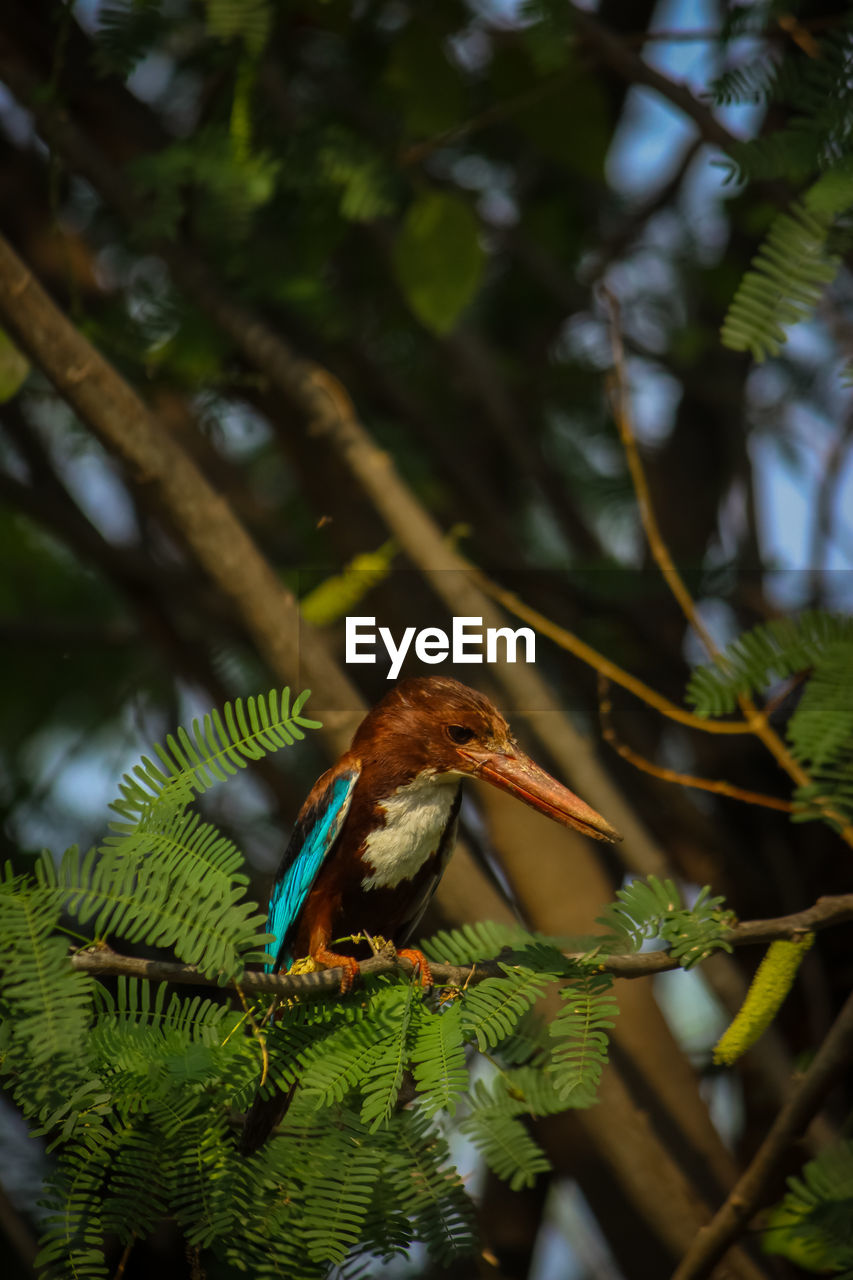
{"x":139,"y":1090}
{"x":801,"y":253}
{"x":813,"y":1224}
{"x":652,"y":908}
{"x":816,"y":647}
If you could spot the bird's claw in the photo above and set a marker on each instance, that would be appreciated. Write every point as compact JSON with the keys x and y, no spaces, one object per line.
{"x":420,"y":962}
{"x":331,"y":960}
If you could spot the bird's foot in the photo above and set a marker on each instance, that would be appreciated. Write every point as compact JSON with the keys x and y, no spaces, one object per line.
{"x":421,"y":964}
{"x":331,"y":960}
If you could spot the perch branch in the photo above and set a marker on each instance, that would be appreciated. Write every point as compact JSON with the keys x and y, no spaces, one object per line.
{"x":102,"y":960}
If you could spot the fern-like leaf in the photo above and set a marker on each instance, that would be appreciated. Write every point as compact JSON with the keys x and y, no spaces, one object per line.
{"x":771,"y":651}
{"x":72,"y":1231}
{"x":813,"y":1225}
{"x":471,"y":942}
{"x":417,"y":1171}
{"x":340,"y":1192}
{"x":438,"y":1056}
{"x":389,"y":1055}
{"x":216,"y":748}
{"x":580,"y":1035}
{"x":502,"y":1138}
{"x":492,"y":1009}
{"x":785,"y":283}
{"x":159,"y":886}
{"x":820,"y":731}
{"x":655,"y":908}
{"x":47,"y":1004}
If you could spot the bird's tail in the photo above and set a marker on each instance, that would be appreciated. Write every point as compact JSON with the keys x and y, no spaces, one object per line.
{"x":262,"y":1117}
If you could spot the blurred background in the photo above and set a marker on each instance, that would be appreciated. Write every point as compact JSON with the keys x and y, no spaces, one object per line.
{"x":426,"y":202}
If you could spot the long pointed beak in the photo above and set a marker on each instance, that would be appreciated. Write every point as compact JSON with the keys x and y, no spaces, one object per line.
{"x":523,"y":778}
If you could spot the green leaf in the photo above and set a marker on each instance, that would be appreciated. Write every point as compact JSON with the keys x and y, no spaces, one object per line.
{"x":493,"y":1008}
{"x":247,"y":20}
{"x":503,"y":1140}
{"x":438,"y":259}
{"x":14,"y":368}
{"x":813,"y":1225}
{"x":580,"y":1035}
{"x":389,"y":1056}
{"x":438,"y":1056}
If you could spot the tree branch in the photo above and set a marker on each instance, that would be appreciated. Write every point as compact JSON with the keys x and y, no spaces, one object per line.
{"x":627,"y":64}
{"x":749,"y":1193}
{"x":329,"y":415}
{"x":757,"y":720}
{"x":719,"y":786}
{"x":102,"y":960}
{"x":218,"y":540}
{"x":604,"y":666}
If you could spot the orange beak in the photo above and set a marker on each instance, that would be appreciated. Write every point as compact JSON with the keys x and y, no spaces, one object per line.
{"x":521,"y":777}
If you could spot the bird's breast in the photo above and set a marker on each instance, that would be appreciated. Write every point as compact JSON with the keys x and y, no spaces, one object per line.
{"x":415,"y":817}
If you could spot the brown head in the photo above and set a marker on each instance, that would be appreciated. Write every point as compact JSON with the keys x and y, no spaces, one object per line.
{"x":435,"y":726}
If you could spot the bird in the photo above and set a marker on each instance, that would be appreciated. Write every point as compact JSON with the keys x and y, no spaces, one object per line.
{"x":375,"y":833}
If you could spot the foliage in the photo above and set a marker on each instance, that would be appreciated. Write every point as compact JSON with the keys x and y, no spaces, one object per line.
{"x":14,"y":368}
{"x":795,"y":264}
{"x":646,"y":908}
{"x":337,"y":596}
{"x":787,"y":279}
{"x":817,"y":646}
{"x":813,"y":1225}
{"x":438,"y":259}
{"x":137,"y":1088}
{"x":286,"y":147}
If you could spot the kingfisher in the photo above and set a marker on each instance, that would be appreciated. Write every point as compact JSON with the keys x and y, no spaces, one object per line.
{"x":376,"y":832}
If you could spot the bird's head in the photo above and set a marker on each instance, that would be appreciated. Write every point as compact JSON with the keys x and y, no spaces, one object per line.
{"x":437,"y":727}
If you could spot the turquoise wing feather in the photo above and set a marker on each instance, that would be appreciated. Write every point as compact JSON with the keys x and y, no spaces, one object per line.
{"x":313,"y":836}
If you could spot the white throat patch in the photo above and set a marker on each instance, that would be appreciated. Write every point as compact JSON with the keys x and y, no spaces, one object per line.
{"x":415,"y":817}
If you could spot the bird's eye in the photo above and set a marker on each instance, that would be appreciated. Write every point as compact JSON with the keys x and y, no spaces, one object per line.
{"x":458,"y":733}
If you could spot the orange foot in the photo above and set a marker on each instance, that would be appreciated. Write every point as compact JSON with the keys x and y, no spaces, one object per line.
{"x":421,"y":964}
{"x":331,"y":960}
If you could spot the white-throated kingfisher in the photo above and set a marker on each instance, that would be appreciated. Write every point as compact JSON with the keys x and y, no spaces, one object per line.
{"x":375,"y":834}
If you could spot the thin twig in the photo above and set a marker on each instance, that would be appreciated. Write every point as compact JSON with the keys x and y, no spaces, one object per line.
{"x":757,"y":720}
{"x":751,"y":1189}
{"x":123,"y":1260}
{"x":658,"y":547}
{"x":717,"y":785}
{"x":256,"y":1033}
{"x":824,"y":913}
{"x":573,"y":644}
{"x":629,"y":66}
{"x":418,"y":151}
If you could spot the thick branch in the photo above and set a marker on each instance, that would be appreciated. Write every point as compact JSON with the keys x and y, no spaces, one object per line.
{"x":750,"y":1191}
{"x":219,"y":542}
{"x":330,"y":415}
{"x":102,"y":960}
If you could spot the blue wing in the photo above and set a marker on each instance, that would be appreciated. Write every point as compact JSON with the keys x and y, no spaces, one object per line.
{"x":313,"y":836}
